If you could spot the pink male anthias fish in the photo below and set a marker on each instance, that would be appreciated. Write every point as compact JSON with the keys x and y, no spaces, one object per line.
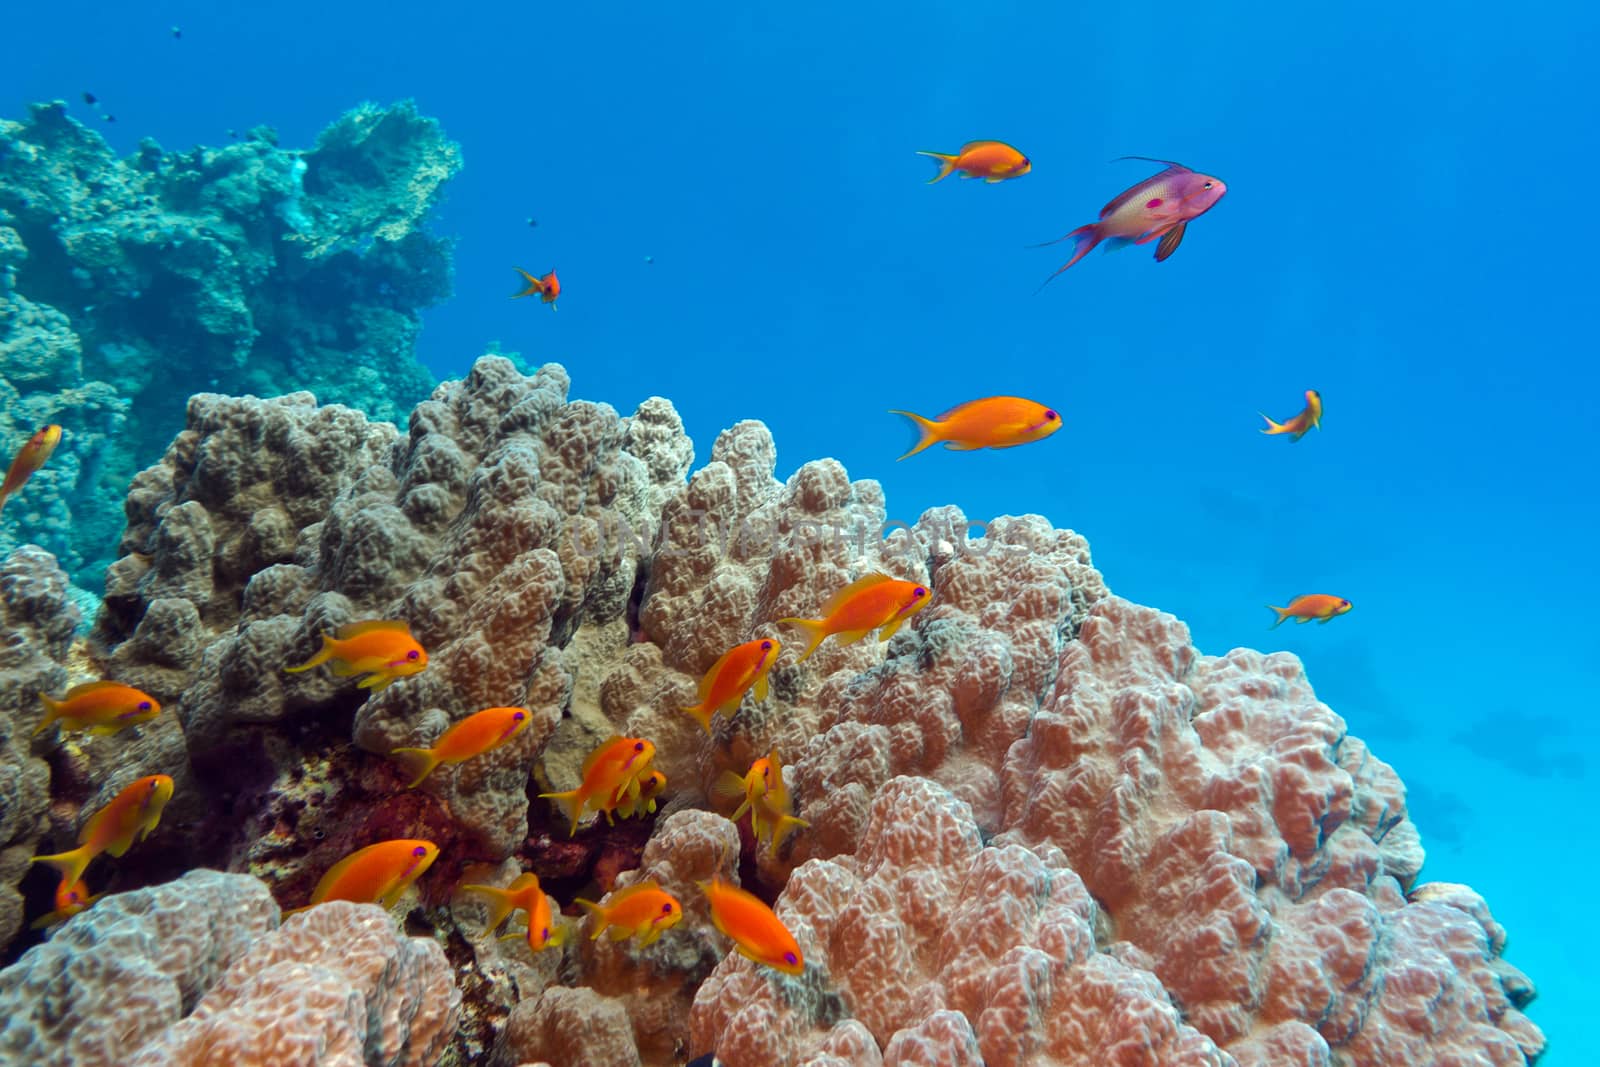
{"x":1160,"y":206}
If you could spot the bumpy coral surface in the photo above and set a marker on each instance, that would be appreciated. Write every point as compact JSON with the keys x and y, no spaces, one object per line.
{"x":1043,"y":828}
{"x":251,"y":268}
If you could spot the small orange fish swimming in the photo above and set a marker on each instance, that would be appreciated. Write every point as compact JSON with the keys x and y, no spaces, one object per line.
{"x":612,"y":771}
{"x":1301,"y":424}
{"x":739,"y":669}
{"x":861,"y":607}
{"x":71,"y":898}
{"x":645,"y":911}
{"x":480,"y":732}
{"x":377,"y":874}
{"x":766,"y":798}
{"x":993,"y":161}
{"x":382,"y":649}
{"x":99,"y":707}
{"x":524,"y":894}
{"x":756,"y":932}
{"x":546,"y":288}
{"x":29,"y":458}
{"x":1303,"y":609}
{"x":131,"y":814}
{"x":992,"y":422}
{"x":650,"y":786}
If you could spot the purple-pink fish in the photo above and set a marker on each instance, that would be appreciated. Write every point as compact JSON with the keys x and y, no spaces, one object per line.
{"x":1160,"y":206}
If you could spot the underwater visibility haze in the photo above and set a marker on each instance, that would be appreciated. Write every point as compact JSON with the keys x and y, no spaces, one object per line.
{"x":1375,"y":209}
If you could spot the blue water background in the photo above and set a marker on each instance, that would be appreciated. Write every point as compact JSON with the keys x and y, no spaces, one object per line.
{"x":1408,"y":230}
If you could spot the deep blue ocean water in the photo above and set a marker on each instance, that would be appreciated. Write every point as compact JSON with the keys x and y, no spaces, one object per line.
{"x":730,"y":194}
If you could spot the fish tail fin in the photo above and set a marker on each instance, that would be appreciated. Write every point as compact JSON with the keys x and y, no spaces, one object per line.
{"x":499,"y":907}
{"x":52,"y":712}
{"x":572,"y":802}
{"x":535,"y":286}
{"x":558,"y":936}
{"x":946,"y":164}
{"x":70,"y":864}
{"x":785,"y":825}
{"x":417,"y":762}
{"x":702,"y":715}
{"x":601,"y":920}
{"x":1283,"y":613}
{"x":1272,"y":427}
{"x":324,"y":654}
{"x":815,"y":630}
{"x":928,"y":428}
{"x":1084,"y":239}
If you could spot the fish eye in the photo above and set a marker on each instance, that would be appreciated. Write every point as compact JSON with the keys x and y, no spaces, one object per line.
{"x":790,"y":958}
{"x":544,"y":933}
{"x":666,"y":909}
{"x":1207,"y":185}
{"x":518,"y":717}
{"x":1050,"y":416}
{"x":1344,"y":603}
{"x":419,"y":852}
{"x":412,"y":654}
{"x":144,"y":705}
{"x":766,"y":646}
{"x":918,"y":593}
{"x":638,"y":746}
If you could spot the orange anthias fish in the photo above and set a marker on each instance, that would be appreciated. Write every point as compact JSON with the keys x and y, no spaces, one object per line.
{"x":1302,"y":423}
{"x":756,"y":932}
{"x":524,"y":894}
{"x":645,"y":911}
{"x":29,"y":458}
{"x":993,"y":161}
{"x":611,"y":774}
{"x":992,"y":422}
{"x":546,"y":288}
{"x":1319,"y":606}
{"x":861,"y":607}
{"x":382,"y":649}
{"x":132,"y":813}
{"x":99,"y":707}
{"x":739,"y":669}
{"x":480,"y":732}
{"x":377,"y":874}
{"x":71,"y":898}
{"x":650,"y":787}
{"x":766,"y":798}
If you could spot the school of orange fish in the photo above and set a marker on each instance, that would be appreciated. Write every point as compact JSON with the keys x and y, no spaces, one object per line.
{"x":617,"y":777}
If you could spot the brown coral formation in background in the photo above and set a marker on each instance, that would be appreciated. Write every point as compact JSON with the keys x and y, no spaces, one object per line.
{"x":1044,"y":829}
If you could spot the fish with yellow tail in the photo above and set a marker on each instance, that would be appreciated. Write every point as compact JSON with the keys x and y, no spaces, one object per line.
{"x":132,"y":814}
{"x":766,"y":798}
{"x":381,"y":649}
{"x":1310,"y":418}
{"x":33,"y":454}
{"x":866,"y":604}
{"x":612,"y":774}
{"x":1160,"y":207}
{"x":991,"y":422}
{"x":757,"y":933}
{"x":71,"y":898}
{"x":377,"y":874}
{"x":481,"y":732}
{"x":739,"y":670}
{"x":645,"y":911}
{"x":546,"y":288}
{"x":523,"y":894}
{"x":993,"y":161}
{"x":1319,"y":606}
{"x":100,"y":707}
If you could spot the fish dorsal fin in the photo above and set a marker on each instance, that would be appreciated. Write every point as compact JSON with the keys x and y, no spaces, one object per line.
{"x":710,"y":677}
{"x":354,"y":629}
{"x":601,"y":749}
{"x":866,"y":581}
{"x":526,"y":880}
{"x":331,"y":877}
{"x":633,"y":890}
{"x":970,"y":145}
{"x":90,"y":687}
{"x":777,"y":764}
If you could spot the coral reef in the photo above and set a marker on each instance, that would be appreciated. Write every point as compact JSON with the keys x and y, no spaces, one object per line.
{"x":1043,"y":830}
{"x":249,"y":268}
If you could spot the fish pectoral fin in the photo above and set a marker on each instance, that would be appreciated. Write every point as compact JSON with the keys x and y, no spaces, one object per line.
{"x":850,"y":637}
{"x":1169,"y":243}
{"x":961,"y":446}
{"x":761,"y":688}
{"x":1301,"y":620}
